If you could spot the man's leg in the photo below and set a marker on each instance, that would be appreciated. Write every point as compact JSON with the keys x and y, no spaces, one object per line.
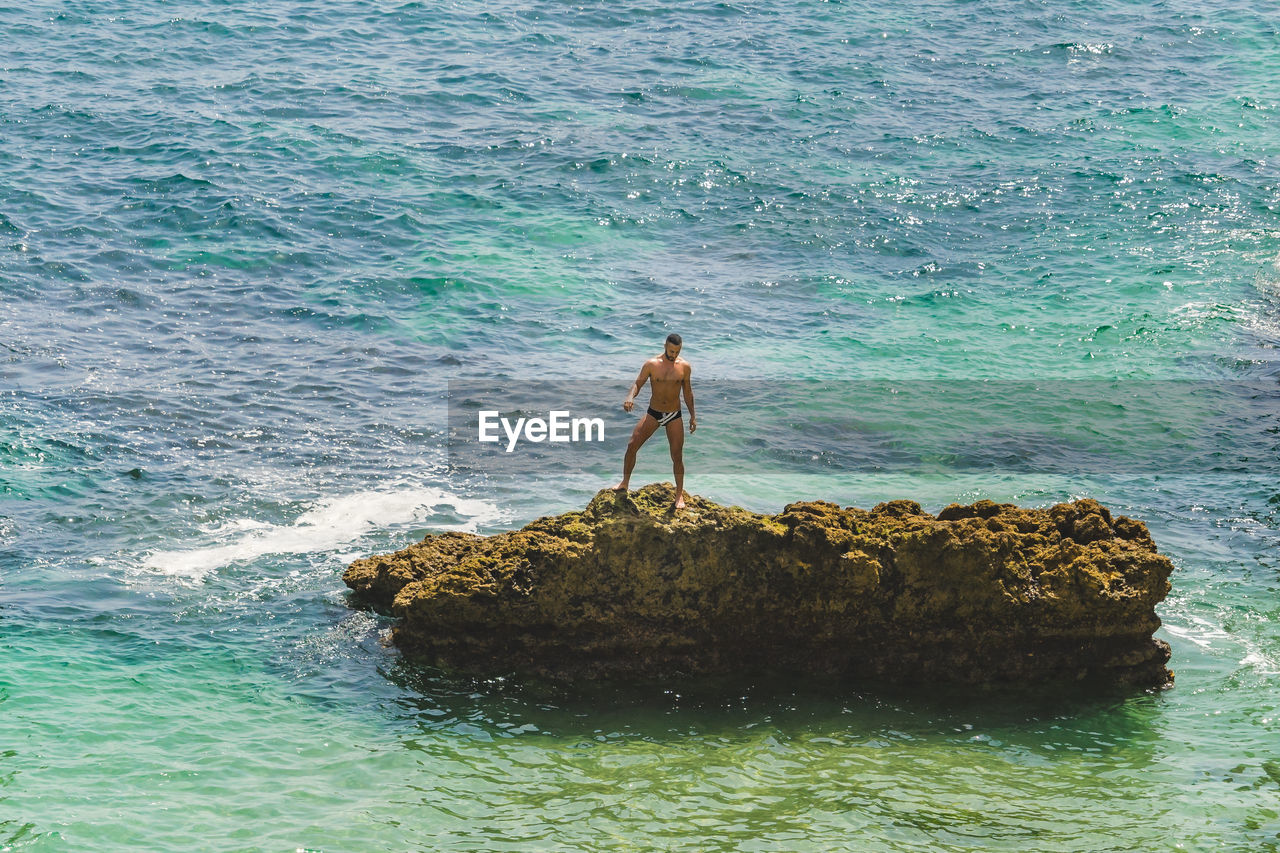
{"x":639,"y":436}
{"x":675,"y":438}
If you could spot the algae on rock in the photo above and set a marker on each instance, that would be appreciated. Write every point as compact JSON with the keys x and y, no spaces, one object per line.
{"x":980,"y":593}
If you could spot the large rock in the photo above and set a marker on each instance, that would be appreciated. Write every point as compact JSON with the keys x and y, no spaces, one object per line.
{"x":980,"y":593}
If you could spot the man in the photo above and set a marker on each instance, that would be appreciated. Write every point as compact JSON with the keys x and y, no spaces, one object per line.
{"x":668,"y":375}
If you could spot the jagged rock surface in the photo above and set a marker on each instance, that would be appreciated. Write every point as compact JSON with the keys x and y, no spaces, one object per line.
{"x":981,"y":593}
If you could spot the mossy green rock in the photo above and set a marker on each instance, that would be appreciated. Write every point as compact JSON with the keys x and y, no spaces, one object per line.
{"x":981,"y":593}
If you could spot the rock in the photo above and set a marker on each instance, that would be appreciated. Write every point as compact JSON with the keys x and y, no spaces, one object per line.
{"x":980,"y":593}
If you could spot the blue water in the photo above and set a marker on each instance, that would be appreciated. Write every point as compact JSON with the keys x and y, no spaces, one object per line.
{"x":244,"y":248}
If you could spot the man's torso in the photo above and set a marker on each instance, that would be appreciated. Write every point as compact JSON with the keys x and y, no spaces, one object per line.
{"x":665,"y":379}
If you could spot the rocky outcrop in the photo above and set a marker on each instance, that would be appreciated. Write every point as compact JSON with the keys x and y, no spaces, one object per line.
{"x":981,"y":593}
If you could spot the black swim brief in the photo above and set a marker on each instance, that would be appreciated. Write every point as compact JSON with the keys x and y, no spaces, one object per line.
{"x":663,"y":418}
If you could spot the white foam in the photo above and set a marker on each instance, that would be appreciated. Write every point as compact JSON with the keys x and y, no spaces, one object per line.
{"x":1262,"y":663}
{"x":1215,"y":640}
{"x":1267,"y":279}
{"x":328,"y":526}
{"x":1201,"y":632}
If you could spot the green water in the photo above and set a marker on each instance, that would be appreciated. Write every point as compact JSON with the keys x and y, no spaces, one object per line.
{"x":245,"y":250}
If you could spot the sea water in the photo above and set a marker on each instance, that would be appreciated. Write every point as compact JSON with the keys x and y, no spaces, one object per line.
{"x":246,"y":247}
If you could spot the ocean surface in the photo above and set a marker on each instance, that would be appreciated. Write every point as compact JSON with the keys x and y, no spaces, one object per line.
{"x":246,"y":247}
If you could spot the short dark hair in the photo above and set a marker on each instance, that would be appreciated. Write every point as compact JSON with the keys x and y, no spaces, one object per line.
{"x":673,"y":338}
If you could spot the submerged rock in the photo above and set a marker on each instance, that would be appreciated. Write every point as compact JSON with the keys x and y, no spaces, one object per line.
{"x":981,"y":593}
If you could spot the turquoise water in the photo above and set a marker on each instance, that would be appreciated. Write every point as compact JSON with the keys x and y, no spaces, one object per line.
{"x":244,"y":248}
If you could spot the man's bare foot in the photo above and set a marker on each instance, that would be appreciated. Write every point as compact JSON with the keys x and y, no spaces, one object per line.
{"x":679,"y":502}
{"x":621,"y":487}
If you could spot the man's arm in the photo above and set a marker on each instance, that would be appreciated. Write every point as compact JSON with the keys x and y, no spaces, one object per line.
{"x":628,"y":403}
{"x":687,"y":387}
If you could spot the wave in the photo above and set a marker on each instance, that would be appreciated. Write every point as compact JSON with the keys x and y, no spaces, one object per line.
{"x":329,"y":526}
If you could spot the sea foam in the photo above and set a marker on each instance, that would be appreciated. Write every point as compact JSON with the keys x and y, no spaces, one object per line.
{"x":328,"y":526}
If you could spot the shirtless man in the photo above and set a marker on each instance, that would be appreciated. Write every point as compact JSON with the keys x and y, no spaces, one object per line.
{"x":669,"y":375}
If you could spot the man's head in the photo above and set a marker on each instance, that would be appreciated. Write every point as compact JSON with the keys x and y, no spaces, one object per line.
{"x":672,"y":349}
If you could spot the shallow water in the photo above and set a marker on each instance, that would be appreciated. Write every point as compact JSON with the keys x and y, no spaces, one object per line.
{"x":244,"y":249}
